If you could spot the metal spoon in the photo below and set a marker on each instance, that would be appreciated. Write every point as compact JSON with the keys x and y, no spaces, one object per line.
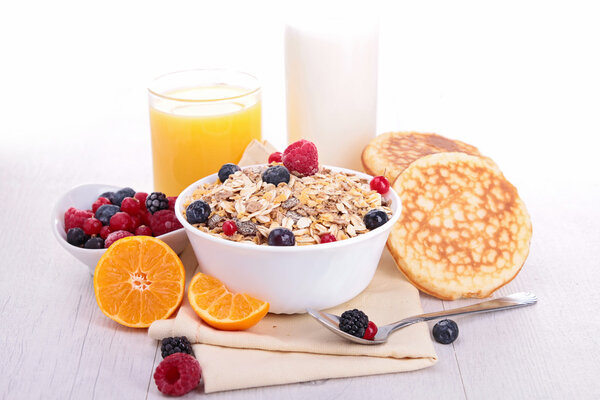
{"x":332,"y":322}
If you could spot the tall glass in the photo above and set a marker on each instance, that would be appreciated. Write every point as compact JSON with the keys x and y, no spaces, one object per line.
{"x":200,"y":120}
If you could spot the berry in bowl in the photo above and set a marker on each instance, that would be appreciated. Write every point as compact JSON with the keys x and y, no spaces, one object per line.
{"x":293,"y":235}
{"x":89,"y":218}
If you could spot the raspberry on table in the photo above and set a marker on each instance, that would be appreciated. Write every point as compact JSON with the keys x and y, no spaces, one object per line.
{"x":354,"y":322}
{"x":121,"y":221}
{"x":301,"y":158}
{"x":75,"y":218}
{"x":164,"y":221}
{"x":114,"y":236}
{"x":157,"y":201}
{"x":99,"y":201}
{"x":177,"y":374}
{"x":92,"y":226}
{"x":130,"y":205}
{"x":178,"y":344}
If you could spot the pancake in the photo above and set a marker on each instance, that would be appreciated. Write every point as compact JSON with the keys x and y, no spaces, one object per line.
{"x":390,"y":153}
{"x":464,"y":231}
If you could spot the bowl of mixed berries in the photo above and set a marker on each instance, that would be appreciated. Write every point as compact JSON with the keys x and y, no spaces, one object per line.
{"x":90,"y":218}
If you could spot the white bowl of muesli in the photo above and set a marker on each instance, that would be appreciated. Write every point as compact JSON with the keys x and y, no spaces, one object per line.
{"x":308,"y":274}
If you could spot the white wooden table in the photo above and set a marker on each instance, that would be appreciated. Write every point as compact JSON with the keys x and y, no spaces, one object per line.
{"x":519,"y":82}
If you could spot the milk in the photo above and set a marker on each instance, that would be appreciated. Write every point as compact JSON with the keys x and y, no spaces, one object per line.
{"x":331,"y":83}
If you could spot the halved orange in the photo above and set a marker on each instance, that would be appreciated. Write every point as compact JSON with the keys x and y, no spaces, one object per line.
{"x":139,"y":280}
{"x":222,"y":309}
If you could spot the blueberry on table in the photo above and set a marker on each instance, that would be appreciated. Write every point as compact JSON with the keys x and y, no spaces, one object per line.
{"x":121,"y":194}
{"x":374,"y":219}
{"x":197,"y":212}
{"x":109,"y":195}
{"x":445,"y":331}
{"x":76,"y":237}
{"x":105,"y":212}
{"x":157,"y":201}
{"x":226,"y":170}
{"x":94,"y":243}
{"x":281,"y":237}
{"x":276,"y":175}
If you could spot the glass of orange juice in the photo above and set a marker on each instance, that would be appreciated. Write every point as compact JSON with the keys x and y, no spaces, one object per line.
{"x":200,"y":120}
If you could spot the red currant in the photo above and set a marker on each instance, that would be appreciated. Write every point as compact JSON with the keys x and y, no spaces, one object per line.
{"x":143,"y":230}
{"x":371,"y":331}
{"x":275,"y":157}
{"x":105,"y":231}
{"x":328,"y":238}
{"x":141,"y":197}
{"x":130,"y":205}
{"x":99,"y":202}
{"x":380,"y":184}
{"x":229,"y":227}
{"x":121,"y":221}
{"x":92,"y":226}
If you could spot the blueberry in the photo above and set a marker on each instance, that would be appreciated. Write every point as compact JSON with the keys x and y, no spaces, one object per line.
{"x":76,"y":237}
{"x":109,"y":195}
{"x":226,"y":170}
{"x":121,"y":194}
{"x":197,"y":212}
{"x":374,"y":219}
{"x":281,"y":237}
{"x":94,"y":243}
{"x":276,"y":174}
{"x":445,"y":331}
{"x":105,"y":212}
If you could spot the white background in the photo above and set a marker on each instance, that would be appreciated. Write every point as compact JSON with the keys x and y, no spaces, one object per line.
{"x":518,"y":79}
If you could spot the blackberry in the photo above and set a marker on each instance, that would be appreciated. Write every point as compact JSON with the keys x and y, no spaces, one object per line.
{"x":105,"y":212}
{"x":121,"y":194}
{"x":197,"y":212}
{"x":445,"y":331}
{"x":276,"y":174}
{"x":172,"y":345}
{"x":281,"y":237}
{"x":109,"y":195}
{"x":76,"y":237}
{"x":374,"y":219}
{"x":94,"y":243}
{"x":157,"y":201}
{"x":226,"y":170}
{"x":354,"y":322}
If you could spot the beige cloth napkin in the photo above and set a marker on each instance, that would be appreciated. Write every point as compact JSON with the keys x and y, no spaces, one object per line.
{"x":295,"y":348}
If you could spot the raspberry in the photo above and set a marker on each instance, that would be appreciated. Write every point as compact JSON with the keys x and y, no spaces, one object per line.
{"x":92,"y":226}
{"x":275,"y":157}
{"x":130,"y":205}
{"x":146,"y":217}
{"x":371,"y":331}
{"x":177,"y":374}
{"x":229,"y":227}
{"x":164,"y":221}
{"x":137,"y":221}
{"x":141,"y":197}
{"x":380,"y":184}
{"x":172,"y":200}
{"x":114,"y":236}
{"x":328,"y":238}
{"x":75,"y":218}
{"x":105,"y":231}
{"x":143,"y":230}
{"x":301,"y":158}
{"x":100,"y":201}
{"x":121,"y":221}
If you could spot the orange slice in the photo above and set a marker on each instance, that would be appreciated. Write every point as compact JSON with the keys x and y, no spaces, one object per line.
{"x":139,"y":280}
{"x":222,"y":309}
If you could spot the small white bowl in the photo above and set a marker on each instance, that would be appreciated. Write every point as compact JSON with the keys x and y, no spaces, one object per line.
{"x":292,"y":278}
{"x":82,"y":197}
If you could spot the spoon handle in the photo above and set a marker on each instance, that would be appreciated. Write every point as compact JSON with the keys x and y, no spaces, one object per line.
{"x":503,"y":303}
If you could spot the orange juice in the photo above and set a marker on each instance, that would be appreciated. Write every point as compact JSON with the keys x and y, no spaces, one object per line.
{"x":196,"y":130}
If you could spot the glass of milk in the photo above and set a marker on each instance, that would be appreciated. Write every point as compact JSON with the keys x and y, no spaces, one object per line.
{"x":331,"y":83}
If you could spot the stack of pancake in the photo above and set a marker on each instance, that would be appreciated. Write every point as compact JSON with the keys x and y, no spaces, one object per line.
{"x":464,"y":231}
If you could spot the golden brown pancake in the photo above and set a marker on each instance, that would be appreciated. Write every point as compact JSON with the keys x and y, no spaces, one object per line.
{"x":464,"y":231}
{"x":390,"y":153}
